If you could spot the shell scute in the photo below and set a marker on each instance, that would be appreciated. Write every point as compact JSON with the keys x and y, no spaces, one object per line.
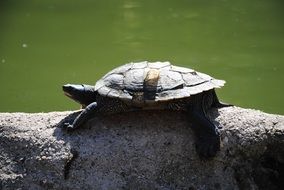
{"x":159,"y":65}
{"x":133,"y":80}
{"x":114,"y":93}
{"x":218,"y":83}
{"x":204,"y":76}
{"x":104,"y":91}
{"x":192,"y":79}
{"x":139,"y":65}
{"x":114,"y":81}
{"x":170,"y":80}
{"x":181,"y":69}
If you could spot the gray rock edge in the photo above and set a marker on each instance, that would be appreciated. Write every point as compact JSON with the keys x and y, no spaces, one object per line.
{"x":140,"y":150}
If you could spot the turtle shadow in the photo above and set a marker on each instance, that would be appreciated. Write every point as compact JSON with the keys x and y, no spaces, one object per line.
{"x":62,"y":134}
{"x":68,"y":119}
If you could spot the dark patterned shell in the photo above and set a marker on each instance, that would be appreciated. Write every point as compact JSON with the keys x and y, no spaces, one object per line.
{"x":147,"y":82}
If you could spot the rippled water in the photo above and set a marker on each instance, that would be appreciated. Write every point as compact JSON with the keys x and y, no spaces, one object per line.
{"x":47,"y":43}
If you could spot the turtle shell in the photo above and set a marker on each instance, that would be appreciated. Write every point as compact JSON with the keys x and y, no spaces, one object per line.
{"x":150,"y":82}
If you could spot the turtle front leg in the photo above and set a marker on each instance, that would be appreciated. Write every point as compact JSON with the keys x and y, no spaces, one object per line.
{"x":84,"y":116}
{"x":208,"y":137}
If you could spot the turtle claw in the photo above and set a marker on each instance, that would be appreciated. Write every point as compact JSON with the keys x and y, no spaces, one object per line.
{"x":208,"y":146}
{"x":68,"y":126}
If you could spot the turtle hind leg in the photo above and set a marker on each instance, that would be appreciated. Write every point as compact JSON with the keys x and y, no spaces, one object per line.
{"x":84,"y":116}
{"x":208,"y":137}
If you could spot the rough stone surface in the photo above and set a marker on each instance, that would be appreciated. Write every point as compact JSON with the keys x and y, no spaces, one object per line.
{"x":140,"y":150}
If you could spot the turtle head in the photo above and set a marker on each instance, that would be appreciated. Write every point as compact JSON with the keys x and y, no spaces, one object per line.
{"x":81,"y":93}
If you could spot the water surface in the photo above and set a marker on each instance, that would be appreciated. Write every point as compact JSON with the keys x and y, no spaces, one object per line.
{"x":45,"y":44}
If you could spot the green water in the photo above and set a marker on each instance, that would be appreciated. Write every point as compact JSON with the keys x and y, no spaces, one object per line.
{"x":47,"y":43}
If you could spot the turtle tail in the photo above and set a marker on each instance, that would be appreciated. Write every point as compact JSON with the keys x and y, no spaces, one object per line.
{"x":217,"y":104}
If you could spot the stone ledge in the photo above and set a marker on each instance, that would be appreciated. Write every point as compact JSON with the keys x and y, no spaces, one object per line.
{"x":140,"y":150}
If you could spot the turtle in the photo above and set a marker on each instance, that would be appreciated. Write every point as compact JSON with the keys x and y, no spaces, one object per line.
{"x":153,"y":86}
